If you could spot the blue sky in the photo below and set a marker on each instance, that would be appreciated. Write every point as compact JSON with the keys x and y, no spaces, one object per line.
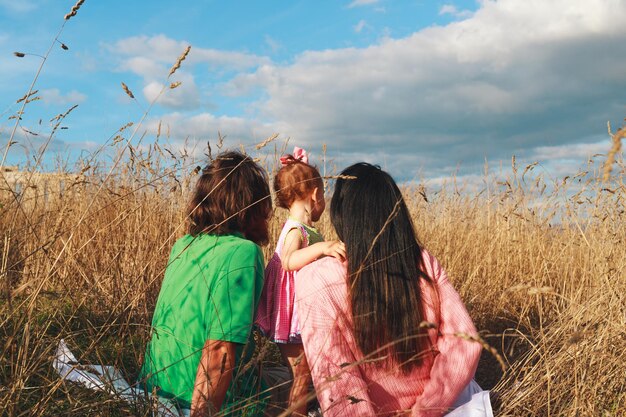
{"x":424,"y":88}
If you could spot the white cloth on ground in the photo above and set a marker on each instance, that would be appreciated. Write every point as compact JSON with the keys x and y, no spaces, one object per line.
{"x":107,"y":379}
{"x":472,"y":402}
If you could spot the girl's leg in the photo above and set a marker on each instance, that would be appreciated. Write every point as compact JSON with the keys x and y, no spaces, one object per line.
{"x":294,"y":356}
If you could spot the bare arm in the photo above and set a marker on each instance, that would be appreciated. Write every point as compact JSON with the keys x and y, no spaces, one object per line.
{"x":215,"y":371}
{"x":294,"y":256}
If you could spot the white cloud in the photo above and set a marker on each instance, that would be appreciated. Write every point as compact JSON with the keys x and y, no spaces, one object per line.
{"x":454,"y":11}
{"x":185,"y":96}
{"x":516,"y":75}
{"x":273,"y":44}
{"x":145,"y":67}
{"x":552,"y":163}
{"x":358,"y":3}
{"x":447,"y":9}
{"x":28,"y":144}
{"x":360,"y":26}
{"x":152,"y":57}
{"x":205,"y":126}
{"x":577,"y":151}
{"x":164,"y":51}
{"x":21,"y":6}
{"x":54,"y":96}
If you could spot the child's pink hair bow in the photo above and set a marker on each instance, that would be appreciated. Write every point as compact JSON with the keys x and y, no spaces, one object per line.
{"x":299,"y":154}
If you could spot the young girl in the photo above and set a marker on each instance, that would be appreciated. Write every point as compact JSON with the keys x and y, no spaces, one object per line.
{"x":300,"y":189}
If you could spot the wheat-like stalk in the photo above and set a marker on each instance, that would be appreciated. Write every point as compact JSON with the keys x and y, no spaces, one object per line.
{"x":266,"y":142}
{"x":339,"y":177}
{"x":616,"y":147}
{"x":74,"y":9}
{"x":179,"y":61}
{"x":127,"y":91}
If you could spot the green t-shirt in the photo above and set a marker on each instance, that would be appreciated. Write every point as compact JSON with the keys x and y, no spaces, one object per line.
{"x":210,"y":291}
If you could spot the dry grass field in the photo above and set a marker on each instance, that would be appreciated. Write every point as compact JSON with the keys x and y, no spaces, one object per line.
{"x":542,"y":273}
{"x":539,"y":261}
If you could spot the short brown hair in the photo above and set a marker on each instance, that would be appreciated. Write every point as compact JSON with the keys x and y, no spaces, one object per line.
{"x":294,"y":181}
{"x":231,"y":195}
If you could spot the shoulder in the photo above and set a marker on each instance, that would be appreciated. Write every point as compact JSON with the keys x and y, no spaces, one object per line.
{"x":292,"y":224}
{"x":209,"y":248}
{"x":230,"y":242}
{"x":321,"y":283}
{"x":322,"y":275}
{"x":183,"y":242}
{"x":327,"y":268}
{"x":180,"y":248}
{"x":243,"y":250}
{"x":432,"y":267}
{"x":244,"y":245}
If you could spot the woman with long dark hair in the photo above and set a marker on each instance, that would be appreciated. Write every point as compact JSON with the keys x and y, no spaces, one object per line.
{"x":385,"y":333}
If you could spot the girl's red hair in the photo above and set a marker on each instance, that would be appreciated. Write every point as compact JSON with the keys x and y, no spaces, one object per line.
{"x":295,"y":181}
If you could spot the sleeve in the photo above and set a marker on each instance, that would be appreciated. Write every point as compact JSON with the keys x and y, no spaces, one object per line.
{"x":235,"y":296}
{"x":303,"y":234}
{"x":455,"y":364}
{"x":341,"y":389}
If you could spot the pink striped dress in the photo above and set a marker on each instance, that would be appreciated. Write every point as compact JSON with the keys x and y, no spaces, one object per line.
{"x":276,"y":315}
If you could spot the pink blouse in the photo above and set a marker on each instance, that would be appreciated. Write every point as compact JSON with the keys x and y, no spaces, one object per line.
{"x":346,"y":384}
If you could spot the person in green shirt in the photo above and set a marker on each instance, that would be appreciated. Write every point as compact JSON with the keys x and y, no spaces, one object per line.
{"x":205,"y":309}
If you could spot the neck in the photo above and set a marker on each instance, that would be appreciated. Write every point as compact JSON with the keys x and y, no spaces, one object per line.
{"x":301,"y":211}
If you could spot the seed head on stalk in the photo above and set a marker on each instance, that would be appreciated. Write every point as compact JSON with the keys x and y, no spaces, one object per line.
{"x":74,"y":9}
{"x":127,"y":91}
{"x":616,"y":147}
{"x":181,"y":58}
{"x":266,"y":141}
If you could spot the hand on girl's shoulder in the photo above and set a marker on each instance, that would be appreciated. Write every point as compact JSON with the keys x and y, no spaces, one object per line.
{"x":334,"y":248}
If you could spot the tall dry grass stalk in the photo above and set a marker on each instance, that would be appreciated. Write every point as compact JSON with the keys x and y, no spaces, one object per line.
{"x":616,"y":147}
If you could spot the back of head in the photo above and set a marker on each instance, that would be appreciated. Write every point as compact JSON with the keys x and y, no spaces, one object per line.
{"x":294,"y":181}
{"x":384,"y":258}
{"x":231,"y":195}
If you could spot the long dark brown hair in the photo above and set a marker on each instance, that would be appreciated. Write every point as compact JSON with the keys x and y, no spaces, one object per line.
{"x":384,"y":265}
{"x":231,"y":195}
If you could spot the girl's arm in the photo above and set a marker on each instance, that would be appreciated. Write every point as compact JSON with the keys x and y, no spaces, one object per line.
{"x":294,"y":256}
